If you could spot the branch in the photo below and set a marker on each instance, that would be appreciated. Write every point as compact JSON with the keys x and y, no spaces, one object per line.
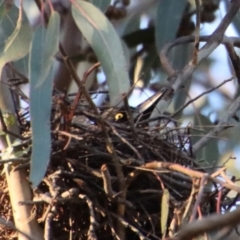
{"x":222,"y":125}
{"x":177,"y":79}
{"x":207,"y":224}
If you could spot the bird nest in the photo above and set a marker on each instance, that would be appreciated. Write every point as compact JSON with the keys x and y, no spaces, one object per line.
{"x":110,"y":179}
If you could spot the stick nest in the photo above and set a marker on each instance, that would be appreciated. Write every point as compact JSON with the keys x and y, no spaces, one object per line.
{"x":108,"y":179}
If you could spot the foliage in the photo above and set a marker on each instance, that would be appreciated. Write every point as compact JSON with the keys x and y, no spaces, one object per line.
{"x":104,"y":155}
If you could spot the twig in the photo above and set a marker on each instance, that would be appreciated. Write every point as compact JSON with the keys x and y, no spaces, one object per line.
{"x":130,"y":119}
{"x":110,"y":223}
{"x":211,"y":223}
{"x":218,"y":172}
{"x":190,"y":201}
{"x":199,"y":197}
{"x":93,"y":223}
{"x":70,"y":135}
{"x":126,"y":224}
{"x":14,"y":160}
{"x":124,"y":140}
{"x":177,"y":79}
{"x":189,"y":172}
{"x":223,"y":175}
{"x":109,"y":144}
{"x":47,"y":225}
{"x":78,"y":96}
{"x":107,"y":186}
{"x":219,"y":127}
{"x":201,"y":95}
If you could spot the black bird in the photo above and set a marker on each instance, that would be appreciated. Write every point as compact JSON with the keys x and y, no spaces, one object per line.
{"x":140,"y":113}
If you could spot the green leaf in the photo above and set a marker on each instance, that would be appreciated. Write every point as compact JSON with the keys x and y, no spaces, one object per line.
{"x":131,"y":24}
{"x":101,"y":4}
{"x":8,"y":22}
{"x":44,"y":47}
{"x":106,"y":44}
{"x":164,"y":211}
{"x":178,"y":64}
{"x":22,"y":65}
{"x":17,"y":42}
{"x":169,"y":14}
{"x":208,"y":155}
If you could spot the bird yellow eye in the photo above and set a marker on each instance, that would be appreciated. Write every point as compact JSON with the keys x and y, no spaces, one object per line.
{"x":118,"y":116}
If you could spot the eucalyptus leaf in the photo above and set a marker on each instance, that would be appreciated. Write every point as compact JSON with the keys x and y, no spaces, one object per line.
{"x":101,"y":4}
{"x":16,"y":42}
{"x":209,"y":155}
{"x":169,"y":14}
{"x":164,"y":211}
{"x":8,"y":22}
{"x":178,"y":64}
{"x":44,"y":47}
{"x":22,"y":66}
{"x":106,"y":44}
{"x":132,"y":24}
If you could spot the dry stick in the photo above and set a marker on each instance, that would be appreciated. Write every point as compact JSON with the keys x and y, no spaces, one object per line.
{"x":19,"y":74}
{"x":223,"y":175}
{"x":219,"y":198}
{"x":48,"y":223}
{"x":79,"y":93}
{"x":70,"y":135}
{"x":92,"y":219}
{"x":100,"y":120}
{"x":124,"y":140}
{"x":227,"y":41}
{"x":131,"y":120}
{"x":190,"y":200}
{"x":226,"y":185}
{"x":199,"y":197}
{"x":109,"y":144}
{"x":189,"y":172}
{"x":211,"y":223}
{"x":114,"y":234}
{"x":126,"y":224}
{"x":14,"y":160}
{"x":107,"y":185}
{"x":235,"y":41}
{"x":174,"y":167}
{"x":207,"y":224}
